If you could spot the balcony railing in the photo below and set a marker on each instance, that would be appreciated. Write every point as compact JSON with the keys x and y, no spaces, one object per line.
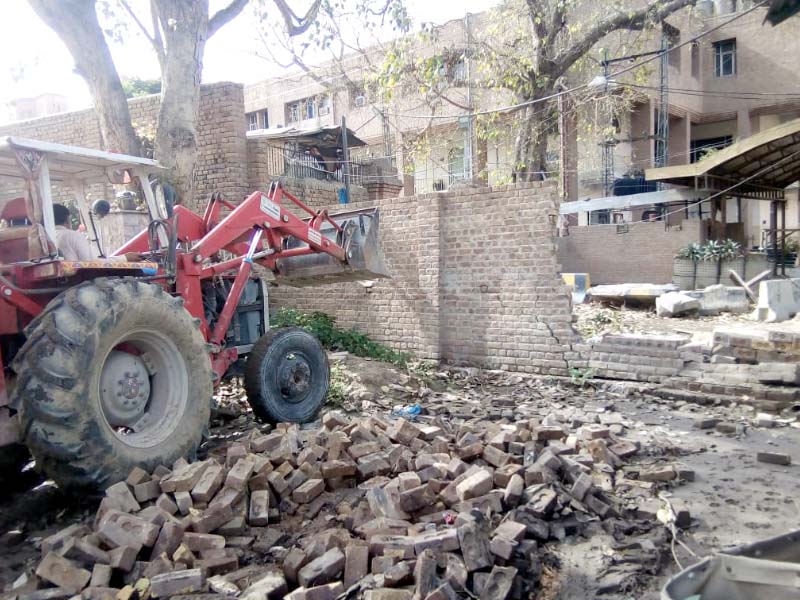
{"x":300,"y":165}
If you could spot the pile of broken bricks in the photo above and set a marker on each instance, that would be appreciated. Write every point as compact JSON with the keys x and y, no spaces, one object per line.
{"x":362,"y":508}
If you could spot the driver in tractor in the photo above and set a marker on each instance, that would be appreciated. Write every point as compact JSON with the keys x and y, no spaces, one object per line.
{"x":73,"y":245}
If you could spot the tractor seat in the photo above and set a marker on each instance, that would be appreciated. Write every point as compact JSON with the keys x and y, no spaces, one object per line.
{"x":21,"y":241}
{"x":14,"y":213}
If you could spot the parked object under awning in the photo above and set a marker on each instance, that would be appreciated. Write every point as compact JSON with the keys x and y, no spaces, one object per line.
{"x":760,"y":166}
{"x":327,"y":139}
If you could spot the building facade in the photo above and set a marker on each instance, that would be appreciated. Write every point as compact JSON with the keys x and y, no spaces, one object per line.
{"x":736,"y":78}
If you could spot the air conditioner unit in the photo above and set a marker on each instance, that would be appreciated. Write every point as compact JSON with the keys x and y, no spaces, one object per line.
{"x":361,"y":101}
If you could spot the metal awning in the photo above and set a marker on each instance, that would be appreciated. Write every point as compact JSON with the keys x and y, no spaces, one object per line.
{"x":761,"y":166}
{"x":326,"y":138}
{"x":66,"y":163}
{"x":630,"y":201}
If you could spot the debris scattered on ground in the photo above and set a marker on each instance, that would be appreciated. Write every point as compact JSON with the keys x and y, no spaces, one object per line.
{"x":774,"y":458}
{"x":385,"y":507}
{"x":674,"y":304}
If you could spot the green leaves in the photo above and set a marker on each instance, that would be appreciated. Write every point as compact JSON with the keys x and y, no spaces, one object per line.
{"x":323,"y":327}
{"x":711,"y":250}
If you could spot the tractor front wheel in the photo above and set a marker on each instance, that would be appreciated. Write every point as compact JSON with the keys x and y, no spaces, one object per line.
{"x":286,"y":376}
{"x":114,"y":375}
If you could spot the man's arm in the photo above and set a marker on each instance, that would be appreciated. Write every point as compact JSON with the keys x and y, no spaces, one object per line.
{"x":82,"y":247}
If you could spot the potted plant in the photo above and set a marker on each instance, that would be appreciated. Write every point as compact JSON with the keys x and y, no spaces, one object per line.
{"x":792,"y":246}
{"x":697,"y":266}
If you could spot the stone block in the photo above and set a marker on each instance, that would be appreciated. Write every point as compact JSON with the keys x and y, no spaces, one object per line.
{"x":309,"y":490}
{"x":258,"y":513}
{"x":323,"y":569}
{"x":774,"y":458}
{"x":177,"y":582}
{"x":63,"y":573}
{"x":356,"y":563}
{"x":475,"y":547}
{"x":475,"y":485}
{"x":674,"y":304}
{"x":778,"y":300}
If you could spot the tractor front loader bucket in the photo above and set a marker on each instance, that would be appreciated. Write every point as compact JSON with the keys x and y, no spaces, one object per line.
{"x":358,"y":236}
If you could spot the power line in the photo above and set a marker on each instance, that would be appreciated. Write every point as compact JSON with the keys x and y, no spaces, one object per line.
{"x":710,"y":93}
{"x":729,"y":189}
{"x":657,"y":55}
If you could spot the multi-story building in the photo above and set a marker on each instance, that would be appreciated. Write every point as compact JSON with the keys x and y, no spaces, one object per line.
{"x":39,"y":106}
{"x":736,"y":78}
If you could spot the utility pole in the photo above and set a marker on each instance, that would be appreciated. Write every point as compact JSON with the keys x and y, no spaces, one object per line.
{"x":468,"y":132}
{"x":662,"y":126}
{"x":608,"y":144}
{"x":345,"y":160}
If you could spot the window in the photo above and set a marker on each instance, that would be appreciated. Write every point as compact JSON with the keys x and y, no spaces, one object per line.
{"x":459,"y":71}
{"x":456,"y":165}
{"x":265,"y":119}
{"x":310,"y":108}
{"x":252,"y":121}
{"x":293,"y":112}
{"x":699,"y":148}
{"x":725,"y":58}
{"x":696,"y":60}
{"x":673,"y":38}
{"x":324,"y":106}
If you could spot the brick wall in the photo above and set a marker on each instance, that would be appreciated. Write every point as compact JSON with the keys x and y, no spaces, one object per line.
{"x":642,"y":254}
{"x":474,"y":280}
{"x":222,"y":149}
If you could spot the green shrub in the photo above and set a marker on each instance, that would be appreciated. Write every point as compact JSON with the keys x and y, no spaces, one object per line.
{"x":323,"y":327}
{"x":711,"y":250}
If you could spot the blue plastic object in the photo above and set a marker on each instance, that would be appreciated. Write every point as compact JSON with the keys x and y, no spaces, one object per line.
{"x":342,"y":193}
{"x":149,"y":270}
{"x":407,"y":412}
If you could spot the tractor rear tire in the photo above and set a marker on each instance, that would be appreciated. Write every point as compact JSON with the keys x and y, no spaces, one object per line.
{"x":287,"y":376}
{"x":12,"y":459}
{"x":114,"y":374}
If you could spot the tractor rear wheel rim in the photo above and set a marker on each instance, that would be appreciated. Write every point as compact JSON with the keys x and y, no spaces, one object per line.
{"x":144,"y":388}
{"x":294,"y":377}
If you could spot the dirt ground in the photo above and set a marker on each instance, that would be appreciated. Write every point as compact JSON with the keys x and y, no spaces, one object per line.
{"x":733,"y":499}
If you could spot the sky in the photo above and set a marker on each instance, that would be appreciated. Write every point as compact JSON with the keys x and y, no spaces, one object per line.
{"x":35,"y":61}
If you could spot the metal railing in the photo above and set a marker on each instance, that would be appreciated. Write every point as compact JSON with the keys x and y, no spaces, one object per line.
{"x":300,"y":165}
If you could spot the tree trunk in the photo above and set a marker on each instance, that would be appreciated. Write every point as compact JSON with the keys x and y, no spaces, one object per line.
{"x":185,"y":27}
{"x":530,"y":144}
{"x":75,"y":22}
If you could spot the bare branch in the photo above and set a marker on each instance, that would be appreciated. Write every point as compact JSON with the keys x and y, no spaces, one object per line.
{"x":294,"y":24}
{"x":157,"y":41}
{"x":225,"y":15}
{"x":155,"y":38}
{"x":652,"y":13}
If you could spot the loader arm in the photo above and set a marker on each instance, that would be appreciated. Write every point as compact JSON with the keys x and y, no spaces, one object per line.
{"x":319,"y":249}
{"x":267,"y":212}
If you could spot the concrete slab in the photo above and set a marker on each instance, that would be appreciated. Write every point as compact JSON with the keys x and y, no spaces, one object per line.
{"x":674,"y":304}
{"x":778,"y":300}
{"x":716,"y":299}
{"x":644,"y":293}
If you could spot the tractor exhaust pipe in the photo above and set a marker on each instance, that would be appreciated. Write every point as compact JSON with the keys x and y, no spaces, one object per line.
{"x":359,"y":236}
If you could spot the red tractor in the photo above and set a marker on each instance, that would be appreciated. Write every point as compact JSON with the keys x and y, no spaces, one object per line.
{"x":110,"y":364}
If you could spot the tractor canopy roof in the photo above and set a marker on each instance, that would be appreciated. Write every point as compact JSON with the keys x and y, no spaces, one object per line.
{"x":66,"y":163}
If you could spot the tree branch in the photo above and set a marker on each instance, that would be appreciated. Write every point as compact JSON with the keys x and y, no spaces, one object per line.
{"x":294,"y":24}
{"x":155,"y":38}
{"x":225,"y":15}
{"x":157,"y":41}
{"x":654,"y":12}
